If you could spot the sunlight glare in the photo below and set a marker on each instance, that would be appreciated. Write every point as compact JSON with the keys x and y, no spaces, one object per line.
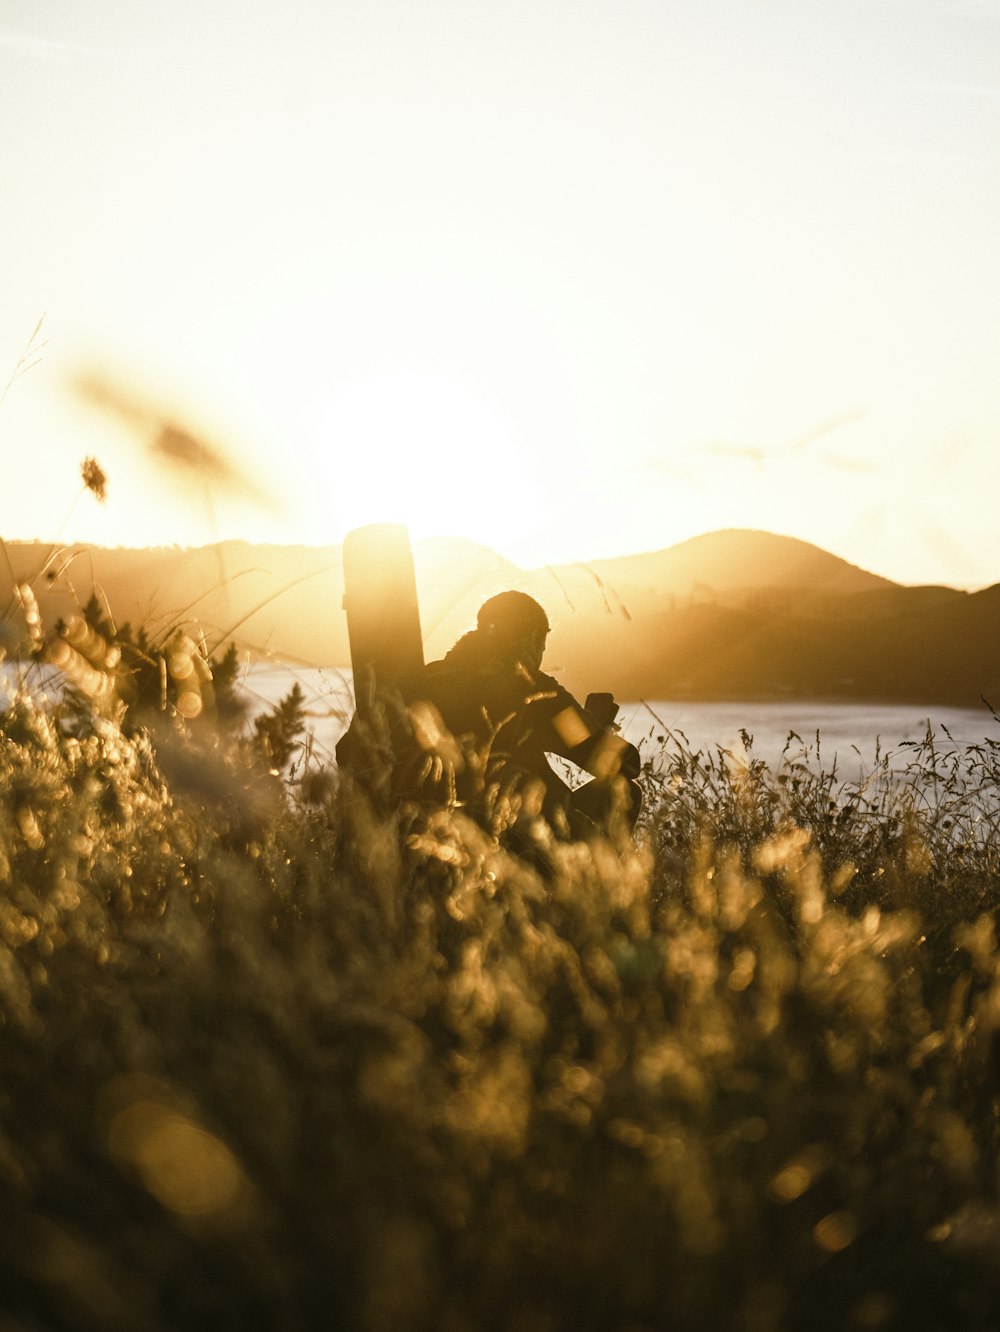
{"x":424,"y":451}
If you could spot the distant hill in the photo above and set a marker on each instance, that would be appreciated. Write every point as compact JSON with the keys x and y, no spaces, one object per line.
{"x":740,"y":614}
{"x":736,"y":568}
{"x":736,"y":562}
{"x":730,"y":614}
{"x":280,"y":599}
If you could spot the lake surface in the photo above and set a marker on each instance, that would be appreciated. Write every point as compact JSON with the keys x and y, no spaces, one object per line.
{"x":849,"y":731}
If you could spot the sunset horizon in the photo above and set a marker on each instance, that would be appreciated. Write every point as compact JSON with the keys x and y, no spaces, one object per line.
{"x":609,"y":556}
{"x":572,"y":286}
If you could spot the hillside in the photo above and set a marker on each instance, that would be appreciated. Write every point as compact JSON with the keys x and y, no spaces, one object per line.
{"x":748,"y":614}
{"x":738,"y":562}
{"x":728,"y":614}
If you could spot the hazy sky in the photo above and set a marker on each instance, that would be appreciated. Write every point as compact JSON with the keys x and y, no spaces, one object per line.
{"x":577,"y":278}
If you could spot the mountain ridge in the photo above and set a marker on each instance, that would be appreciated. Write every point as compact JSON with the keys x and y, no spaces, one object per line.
{"x":736,"y":613}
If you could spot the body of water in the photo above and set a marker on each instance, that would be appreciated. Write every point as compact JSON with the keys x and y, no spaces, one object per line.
{"x":851,"y":732}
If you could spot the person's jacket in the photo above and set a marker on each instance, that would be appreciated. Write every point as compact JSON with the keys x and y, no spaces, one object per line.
{"x":507,"y":715}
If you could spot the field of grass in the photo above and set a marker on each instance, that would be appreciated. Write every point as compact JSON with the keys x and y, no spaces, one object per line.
{"x":275,"y":1056}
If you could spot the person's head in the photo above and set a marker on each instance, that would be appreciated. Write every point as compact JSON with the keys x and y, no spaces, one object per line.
{"x":516,"y":624}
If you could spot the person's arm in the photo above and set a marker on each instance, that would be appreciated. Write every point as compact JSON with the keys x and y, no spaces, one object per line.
{"x":584,"y":741}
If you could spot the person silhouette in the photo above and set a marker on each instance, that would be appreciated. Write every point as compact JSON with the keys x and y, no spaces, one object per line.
{"x":488,"y":715}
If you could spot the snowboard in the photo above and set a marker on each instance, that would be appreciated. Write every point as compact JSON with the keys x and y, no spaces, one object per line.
{"x":383,"y":615}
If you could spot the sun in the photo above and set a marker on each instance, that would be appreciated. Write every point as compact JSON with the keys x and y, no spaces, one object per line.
{"x":426,"y":451}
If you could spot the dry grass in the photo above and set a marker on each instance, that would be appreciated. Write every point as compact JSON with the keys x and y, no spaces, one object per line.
{"x":273,"y":1058}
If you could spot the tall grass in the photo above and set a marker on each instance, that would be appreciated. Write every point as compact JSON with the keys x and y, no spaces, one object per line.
{"x":277,"y":1056}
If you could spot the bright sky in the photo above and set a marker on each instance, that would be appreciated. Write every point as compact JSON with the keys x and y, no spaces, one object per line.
{"x":574,"y":277}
